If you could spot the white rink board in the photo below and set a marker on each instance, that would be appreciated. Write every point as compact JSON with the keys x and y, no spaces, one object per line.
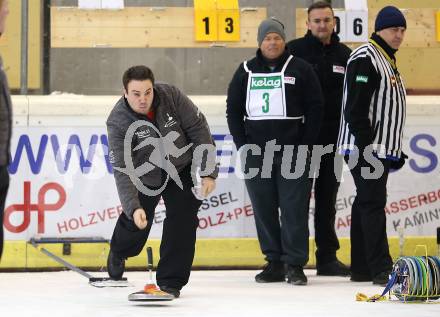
{"x":54,"y":193}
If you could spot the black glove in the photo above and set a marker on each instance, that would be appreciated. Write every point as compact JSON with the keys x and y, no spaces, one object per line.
{"x":397,"y":165}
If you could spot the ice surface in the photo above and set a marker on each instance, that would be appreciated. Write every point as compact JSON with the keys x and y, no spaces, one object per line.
{"x":209,"y":293}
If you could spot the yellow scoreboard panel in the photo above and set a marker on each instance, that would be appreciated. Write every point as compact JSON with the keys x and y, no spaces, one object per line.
{"x":217,"y":20}
{"x":437,"y":22}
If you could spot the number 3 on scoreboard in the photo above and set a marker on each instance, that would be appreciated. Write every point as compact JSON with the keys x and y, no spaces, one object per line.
{"x":229,"y":25}
{"x":223,"y":25}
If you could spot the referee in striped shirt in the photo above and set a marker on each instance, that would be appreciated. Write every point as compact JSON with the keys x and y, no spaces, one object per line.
{"x":372,"y":124}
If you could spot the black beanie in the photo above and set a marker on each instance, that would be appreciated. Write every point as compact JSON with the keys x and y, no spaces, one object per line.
{"x":389,"y":17}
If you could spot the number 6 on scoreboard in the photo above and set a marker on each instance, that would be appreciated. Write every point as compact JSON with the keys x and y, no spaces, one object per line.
{"x":357,"y":26}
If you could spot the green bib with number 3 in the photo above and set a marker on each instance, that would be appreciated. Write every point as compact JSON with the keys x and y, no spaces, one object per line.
{"x":266,"y":96}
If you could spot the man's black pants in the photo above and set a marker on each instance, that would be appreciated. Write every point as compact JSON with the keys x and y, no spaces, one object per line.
{"x":4,"y":185}
{"x":178,"y":236}
{"x":281,"y":213}
{"x":370,"y":253}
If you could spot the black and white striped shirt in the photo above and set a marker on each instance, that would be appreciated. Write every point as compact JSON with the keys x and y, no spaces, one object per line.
{"x":374,"y":101}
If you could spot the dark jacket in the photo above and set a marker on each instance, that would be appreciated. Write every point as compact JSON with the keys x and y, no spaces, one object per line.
{"x":303,"y":98}
{"x":375,"y":107}
{"x":5,"y":118}
{"x":174,"y":113}
{"x":329,"y":63}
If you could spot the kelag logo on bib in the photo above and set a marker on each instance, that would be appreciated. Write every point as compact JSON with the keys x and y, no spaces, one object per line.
{"x":269,"y":82}
{"x":266,"y":98}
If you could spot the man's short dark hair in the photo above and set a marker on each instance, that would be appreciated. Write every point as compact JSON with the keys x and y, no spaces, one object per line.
{"x":319,"y":5}
{"x":138,"y":72}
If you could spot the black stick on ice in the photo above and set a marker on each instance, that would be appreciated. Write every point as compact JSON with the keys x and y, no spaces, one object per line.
{"x":150,"y":264}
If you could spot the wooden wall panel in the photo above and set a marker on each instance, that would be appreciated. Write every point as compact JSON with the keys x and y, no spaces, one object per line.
{"x":421,"y":30}
{"x":139,"y":27}
{"x":420,"y":68}
{"x":10,"y":45}
{"x":404,"y":3}
{"x":419,"y":57}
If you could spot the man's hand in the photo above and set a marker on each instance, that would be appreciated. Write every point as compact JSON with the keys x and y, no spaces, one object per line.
{"x":140,"y":218}
{"x":397,"y":165}
{"x":208,"y":185}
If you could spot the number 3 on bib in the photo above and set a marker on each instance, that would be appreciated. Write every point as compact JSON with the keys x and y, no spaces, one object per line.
{"x":265,"y":107}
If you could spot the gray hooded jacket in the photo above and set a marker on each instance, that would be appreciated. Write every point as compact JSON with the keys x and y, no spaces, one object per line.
{"x":177,"y":120}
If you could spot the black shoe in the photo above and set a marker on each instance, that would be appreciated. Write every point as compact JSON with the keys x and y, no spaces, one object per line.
{"x":382,"y":278}
{"x":335,"y":268}
{"x":360,"y":277}
{"x":295,"y":275}
{"x":115,"y":265}
{"x":170,"y":290}
{"x":273,"y":271}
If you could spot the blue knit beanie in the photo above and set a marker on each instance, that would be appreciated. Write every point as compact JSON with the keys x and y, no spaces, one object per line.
{"x":388,"y":17}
